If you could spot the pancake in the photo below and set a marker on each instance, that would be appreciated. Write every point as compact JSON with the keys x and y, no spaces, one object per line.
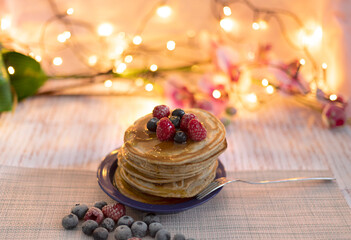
{"x":168,"y":170}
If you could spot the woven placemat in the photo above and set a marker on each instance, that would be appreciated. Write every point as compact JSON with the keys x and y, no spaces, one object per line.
{"x":33,"y":202}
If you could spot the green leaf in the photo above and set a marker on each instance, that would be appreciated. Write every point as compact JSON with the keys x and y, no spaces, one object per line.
{"x":5,"y":89}
{"x":28,"y":76}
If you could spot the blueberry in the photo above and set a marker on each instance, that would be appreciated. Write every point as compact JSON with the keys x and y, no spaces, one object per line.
{"x":231,"y":111}
{"x":89,"y":226}
{"x":100,"y":204}
{"x":70,"y":221}
{"x":154,"y":228}
{"x":163,"y":234}
{"x":123,"y":232}
{"x":125,"y":220}
{"x":108,"y":223}
{"x":175,"y":120}
{"x":100,"y":233}
{"x":150,"y":218}
{"x":178,"y":112}
{"x":139,"y":229}
{"x":179,"y":236}
{"x":180,"y":137}
{"x":152,"y":124}
{"x":79,"y":210}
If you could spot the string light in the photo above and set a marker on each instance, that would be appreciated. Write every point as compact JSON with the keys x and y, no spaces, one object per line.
{"x":121,"y":68}
{"x":57,"y":61}
{"x":137,"y":40}
{"x":265,"y":82}
{"x":5,"y":23}
{"x":149,"y":87}
{"x":310,"y":35}
{"x":302,"y":61}
{"x":38,"y":58}
{"x":216,"y":94}
{"x":171,"y":45}
{"x":251,"y":98}
{"x":324,"y":66}
{"x":105,"y":29}
{"x":92,"y":60}
{"x":270,"y":89}
{"x":255,"y":26}
{"x":153,"y":68}
{"x":164,"y":11}
{"x":67,"y":34}
{"x":251,"y":56}
{"x":227,"y":24}
{"x":227,"y":11}
{"x":333,"y":97}
{"x":11,"y":70}
{"x":108,"y":83}
{"x":128,"y":59}
{"x":70,"y":11}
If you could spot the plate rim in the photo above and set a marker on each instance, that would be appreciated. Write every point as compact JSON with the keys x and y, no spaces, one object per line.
{"x":104,"y":181}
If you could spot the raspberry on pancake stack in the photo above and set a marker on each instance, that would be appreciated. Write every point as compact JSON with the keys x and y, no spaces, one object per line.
{"x":168,"y":156}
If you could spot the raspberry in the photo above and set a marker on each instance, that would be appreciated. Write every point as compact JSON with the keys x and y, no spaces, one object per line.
{"x":196,"y":130}
{"x":94,"y":214}
{"x":161,"y":111}
{"x":114,"y":211}
{"x":185,"y":121}
{"x":165,"y":129}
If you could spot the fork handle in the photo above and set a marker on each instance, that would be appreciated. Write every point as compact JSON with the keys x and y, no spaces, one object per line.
{"x":285,"y":180}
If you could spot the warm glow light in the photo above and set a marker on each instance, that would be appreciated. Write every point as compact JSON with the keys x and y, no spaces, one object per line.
{"x":38,"y":58}
{"x":153,"y":68}
{"x":92,"y":60}
{"x":333,"y":97}
{"x":227,"y":11}
{"x":128,"y":59}
{"x":31,"y":54}
{"x":265,"y":82}
{"x":216,"y":94}
{"x":164,"y":11}
{"x":227,"y":24}
{"x":255,"y":26}
{"x":121,"y":68}
{"x":270,"y":89}
{"x":324,"y":65}
{"x":251,"y":98}
{"x":171,"y":45}
{"x":108,"y":83}
{"x":70,"y":11}
{"x":5,"y":23}
{"x":11,"y":70}
{"x":263,"y":24}
{"x":311,"y":35}
{"x":57,"y":61}
{"x":67,"y":34}
{"x":61,"y":38}
{"x":302,"y":61}
{"x":139,"y":82}
{"x":119,"y":50}
{"x":251,"y":55}
{"x":149,"y":87}
{"x":137,"y":40}
{"x":105,"y":29}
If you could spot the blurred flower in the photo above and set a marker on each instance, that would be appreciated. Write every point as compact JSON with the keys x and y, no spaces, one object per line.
{"x":333,"y":115}
{"x":262,"y":54}
{"x":178,"y":94}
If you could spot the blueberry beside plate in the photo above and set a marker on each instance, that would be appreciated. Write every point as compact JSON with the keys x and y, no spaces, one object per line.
{"x":105,"y":174}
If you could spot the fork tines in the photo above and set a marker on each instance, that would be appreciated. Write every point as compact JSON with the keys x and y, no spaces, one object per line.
{"x":207,"y":190}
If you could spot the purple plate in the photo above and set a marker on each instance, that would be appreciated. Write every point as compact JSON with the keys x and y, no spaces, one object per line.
{"x":105,"y":175}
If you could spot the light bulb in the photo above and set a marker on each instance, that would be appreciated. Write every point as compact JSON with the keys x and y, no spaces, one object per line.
{"x":251,"y":98}
{"x":164,"y":11}
{"x":137,"y":40}
{"x":171,"y":45}
{"x":153,"y":68}
{"x":108,"y":83}
{"x":38,"y":58}
{"x":255,"y":26}
{"x":333,"y":97}
{"x":302,"y":61}
{"x":11,"y":70}
{"x":5,"y":23}
{"x":128,"y":59}
{"x":265,"y":82}
{"x":227,"y":24}
{"x":270,"y":89}
{"x":324,"y":66}
{"x":70,"y":11}
{"x":57,"y":61}
{"x":92,"y":60}
{"x":121,"y":68}
{"x":61,"y":38}
{"x":149,"y":87}
{"x":227,"y":11}
{"x":105,"y":29}
{"x":216,"y":94}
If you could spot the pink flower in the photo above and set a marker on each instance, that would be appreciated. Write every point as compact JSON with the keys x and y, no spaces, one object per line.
{"x":333,"y":115}
{"x":178,"y":94}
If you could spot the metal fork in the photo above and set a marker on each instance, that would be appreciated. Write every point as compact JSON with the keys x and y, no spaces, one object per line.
{"x":220,"y":182}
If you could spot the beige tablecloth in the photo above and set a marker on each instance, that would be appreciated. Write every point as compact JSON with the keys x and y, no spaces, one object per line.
{"x":33,"y":202}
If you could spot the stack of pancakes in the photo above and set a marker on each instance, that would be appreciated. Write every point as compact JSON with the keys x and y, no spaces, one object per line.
{"x":152,"y":171}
